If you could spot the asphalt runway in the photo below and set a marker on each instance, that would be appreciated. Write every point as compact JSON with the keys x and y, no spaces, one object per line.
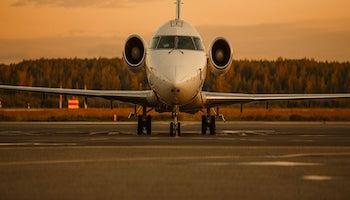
{"x":245,"y":160}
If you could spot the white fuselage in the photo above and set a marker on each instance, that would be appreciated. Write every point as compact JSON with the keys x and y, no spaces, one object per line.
{"x":176,"y":75}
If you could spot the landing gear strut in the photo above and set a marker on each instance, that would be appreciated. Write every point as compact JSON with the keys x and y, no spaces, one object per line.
{"x":144,"y":123}
{"x":208,"y":122}
{"x":175,"y":125}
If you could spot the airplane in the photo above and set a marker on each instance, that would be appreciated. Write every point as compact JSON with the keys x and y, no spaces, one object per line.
{"x":176,"y":65}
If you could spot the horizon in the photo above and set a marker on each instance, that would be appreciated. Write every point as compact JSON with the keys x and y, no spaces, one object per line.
{"x":32,"y":29}
{"x":234,"y":60}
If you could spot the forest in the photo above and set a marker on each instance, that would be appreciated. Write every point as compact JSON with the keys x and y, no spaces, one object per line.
{"x":245,"y":76}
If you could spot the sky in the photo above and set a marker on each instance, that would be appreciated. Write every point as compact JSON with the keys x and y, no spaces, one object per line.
{"x":257,"y":29}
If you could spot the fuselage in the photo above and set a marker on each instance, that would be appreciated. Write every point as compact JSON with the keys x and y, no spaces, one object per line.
{"x":176,"y":64}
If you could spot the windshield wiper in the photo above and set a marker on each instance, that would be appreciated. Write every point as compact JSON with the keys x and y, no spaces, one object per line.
{"x":171,"y":50}
{"x":175,"y":49}
{"x":175,"y":46}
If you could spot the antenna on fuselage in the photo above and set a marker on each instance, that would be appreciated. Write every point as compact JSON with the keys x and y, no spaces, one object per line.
{"x":178,"y":9}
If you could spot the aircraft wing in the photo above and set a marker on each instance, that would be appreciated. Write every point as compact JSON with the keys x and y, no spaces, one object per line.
{"x":218,"y":98}
{"x":136,"y":97}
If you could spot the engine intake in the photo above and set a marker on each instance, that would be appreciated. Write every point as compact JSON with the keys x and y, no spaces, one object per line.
{"x":220,"y":54}
{"x":134,"y":51}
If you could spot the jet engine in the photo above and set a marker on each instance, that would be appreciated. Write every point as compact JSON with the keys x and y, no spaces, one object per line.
{"x":220,"y":55}
{"x":134,"y":52}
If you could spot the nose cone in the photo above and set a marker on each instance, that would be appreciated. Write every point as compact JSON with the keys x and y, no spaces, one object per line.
{"x":183,"y":85}
{"x":180,"y":92}
{"x":176,"y":74}
{"x":176,"y":86}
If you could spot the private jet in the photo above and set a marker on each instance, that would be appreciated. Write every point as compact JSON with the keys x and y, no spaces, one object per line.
{"x":176,"y":64}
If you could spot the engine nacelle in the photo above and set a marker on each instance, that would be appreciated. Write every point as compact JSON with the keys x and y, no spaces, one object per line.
{"x":220,"y":55}
{"x":134,"y":53}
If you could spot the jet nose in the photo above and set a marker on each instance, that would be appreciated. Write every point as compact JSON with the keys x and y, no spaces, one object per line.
{"x":177,"y":84}
{"x":182,"y":90}
{"x":175,"y":91}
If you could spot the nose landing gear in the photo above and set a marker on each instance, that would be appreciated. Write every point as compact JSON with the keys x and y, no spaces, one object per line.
{"x":175,"y":129}
{"x":175,"y":126}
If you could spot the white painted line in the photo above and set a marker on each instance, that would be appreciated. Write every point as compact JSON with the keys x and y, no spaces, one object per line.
{"x":310,"y":135}
{"x":317,"y":178}
{"x":115,"y":133}
{"x":309,"y":155}
{"x":304,"y":148}
{"x":37,"y":144}
{"x":115,"y":159}
{"x":249,"y":132}
{"x":301,"y":140}
{"x":215,"y":164}
{"x":252,"y":140}
{"x":15,"y":144}
{"x":98,"y":133}
{"x":279,"y":163}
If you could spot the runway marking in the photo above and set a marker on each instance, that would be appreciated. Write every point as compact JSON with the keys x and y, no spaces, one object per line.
{"x":215,"y":163}
{"x":252,"y":140}
{"x":299,"y":148}
{"x":95,"y":133}
{"x":95,"y":139}
{"x":249,"y":132}
{"x":15,"y":133}
{"x":115,"y":133}
{"x":15,"y":144}
{"x":301,"y":140}
{"x":317,"y":178}
{"x":309,"y":155}
{"x":279,"y":163}
{"x":128,"y":159}
{"x":310,"y":135}
{"x":37,"y":144}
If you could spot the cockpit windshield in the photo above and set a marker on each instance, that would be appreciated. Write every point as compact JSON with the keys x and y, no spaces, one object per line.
{"x":185,"y":42}
{"x":177,"y":42}
{"x":166,"y":42}
{"x":198,"y":43}
{"x":155,"y":42}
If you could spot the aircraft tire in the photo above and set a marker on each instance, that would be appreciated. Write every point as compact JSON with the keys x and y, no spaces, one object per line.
{"x":171,"y":129}
{"x":212,"y":125}
{"x":139,"y":125}
{"x":149,"y":124}
{"x":204,"y":125}
{"x":178,"y":129}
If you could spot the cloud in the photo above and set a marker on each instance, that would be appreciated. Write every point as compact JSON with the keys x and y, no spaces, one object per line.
{"x":79,"y":3}
{"x":15,"y":50}
{"x":321,"y":41}
{"x":328,"y":41}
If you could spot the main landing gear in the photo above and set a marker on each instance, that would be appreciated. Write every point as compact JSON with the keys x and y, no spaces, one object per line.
{"x":208,"y":122}
{"x":144,"y":123}
{"x":175,"y":126}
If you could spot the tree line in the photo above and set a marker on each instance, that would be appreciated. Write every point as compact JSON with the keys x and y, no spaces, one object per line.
{"x":244,"y":76}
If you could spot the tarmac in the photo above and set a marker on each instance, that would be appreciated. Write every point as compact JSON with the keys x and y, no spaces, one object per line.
{"x":245,"y":160}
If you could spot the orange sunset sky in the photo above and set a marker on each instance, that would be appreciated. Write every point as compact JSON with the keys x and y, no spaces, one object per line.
{"x":257,"y":29}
